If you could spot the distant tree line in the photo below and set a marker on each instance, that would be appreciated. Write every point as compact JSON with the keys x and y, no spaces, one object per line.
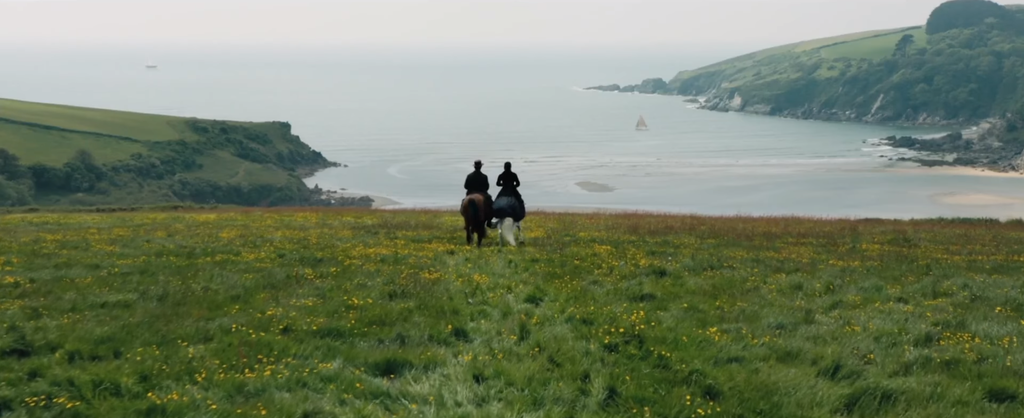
{"x":255,"y":146}
{"x":82,"y":174}
{"x":964,"y":14}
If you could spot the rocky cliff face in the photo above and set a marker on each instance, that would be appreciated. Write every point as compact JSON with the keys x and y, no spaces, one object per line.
{"x":993,"y":145}
{"x":716,"y":98}
{"x":734,"y":102}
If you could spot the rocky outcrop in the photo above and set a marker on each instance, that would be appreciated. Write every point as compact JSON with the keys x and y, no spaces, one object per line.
{"x":608,"y":88}
{"x":732,"y":103}
{"x":989,"y":146}
{"x":648,"y":86}
{"x":652,"y":86}
{"x":331,"y":198}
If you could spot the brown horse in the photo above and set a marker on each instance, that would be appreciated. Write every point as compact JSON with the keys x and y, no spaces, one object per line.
{"x":476,"y":213}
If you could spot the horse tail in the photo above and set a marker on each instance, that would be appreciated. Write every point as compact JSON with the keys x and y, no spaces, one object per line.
{"x":474,"y":209}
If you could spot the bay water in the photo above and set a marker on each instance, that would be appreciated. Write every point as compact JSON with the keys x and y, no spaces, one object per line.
{"x":409,"y":123}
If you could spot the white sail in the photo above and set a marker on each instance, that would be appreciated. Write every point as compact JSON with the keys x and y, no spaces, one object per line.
{"x":641,"y":125}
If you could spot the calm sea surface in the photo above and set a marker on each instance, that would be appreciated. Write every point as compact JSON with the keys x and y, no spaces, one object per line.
{"x":409,"y":125}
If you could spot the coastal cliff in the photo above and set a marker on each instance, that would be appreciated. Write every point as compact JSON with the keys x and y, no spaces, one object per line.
{"x":965,"y":66}
{"x":54,"y":155}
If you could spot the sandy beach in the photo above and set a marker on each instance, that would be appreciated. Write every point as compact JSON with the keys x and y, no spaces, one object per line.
{"x":956,"y":171}
{"x":975,"y":199}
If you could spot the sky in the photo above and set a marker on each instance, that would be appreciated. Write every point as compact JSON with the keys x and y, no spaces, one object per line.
{"x":584,"y":24}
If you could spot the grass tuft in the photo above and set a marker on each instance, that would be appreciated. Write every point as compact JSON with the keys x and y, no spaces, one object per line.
{"x":1002,"y":393}
{"x":872,"y":399}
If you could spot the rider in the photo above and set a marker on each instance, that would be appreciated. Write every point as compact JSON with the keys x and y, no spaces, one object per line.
{"x":509,"y":183}
{"x":477,"y":182}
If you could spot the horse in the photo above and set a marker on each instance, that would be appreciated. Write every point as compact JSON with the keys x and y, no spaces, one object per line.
{"x":475,"y":213}
{"x":510,"y":220}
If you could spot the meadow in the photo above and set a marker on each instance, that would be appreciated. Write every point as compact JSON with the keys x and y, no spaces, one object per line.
{"x":876,"y":47}
{"x":305,"y":313}
{"x":140,"y":126}
{"x":51,"y":134}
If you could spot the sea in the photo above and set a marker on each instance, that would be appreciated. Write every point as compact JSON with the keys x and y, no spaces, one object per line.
{"x":408,"y":124}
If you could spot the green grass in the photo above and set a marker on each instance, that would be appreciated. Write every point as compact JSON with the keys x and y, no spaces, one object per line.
{"x":368,"y":314}
{"x":783,"y":62}
{"x":222,"y":167}
{"x":143,"y":127}
{"x":37,"y":145}
{"x":875,"y":47}
{"x":844,"y":39}
{"x":811,"y":46}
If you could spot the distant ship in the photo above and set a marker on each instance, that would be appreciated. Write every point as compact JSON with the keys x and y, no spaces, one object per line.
{"x":641,"y":125}
{"x":150,"y":65}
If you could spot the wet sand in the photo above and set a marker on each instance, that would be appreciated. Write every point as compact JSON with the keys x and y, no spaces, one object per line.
{"x":594,"y":187}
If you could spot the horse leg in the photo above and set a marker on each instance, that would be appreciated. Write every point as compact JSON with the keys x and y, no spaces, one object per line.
{"x":469,"y":235}
{"x":519,"y":228}
{"x":480,"y":233}
{"x":501,"y":232}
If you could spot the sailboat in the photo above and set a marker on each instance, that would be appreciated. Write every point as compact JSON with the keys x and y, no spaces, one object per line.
{"x":641,"y":125}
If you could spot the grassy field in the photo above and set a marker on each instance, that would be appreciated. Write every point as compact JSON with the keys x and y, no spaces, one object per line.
{"x":51,"y":134}
{"x":143,"y":127}
{"x":223,"y":167}
{"x":845,"y":39}
{"x":814,"y":47}
{"x":47,"y":146}
{"x":874,"y":48}
{"x":369,"y":314}
{"x":789,"y":61}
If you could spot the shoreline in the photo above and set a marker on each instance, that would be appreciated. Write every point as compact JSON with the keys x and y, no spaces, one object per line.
{"x":548,"y":209}
{"x":701,"y":105}
{"x":954,"y":171}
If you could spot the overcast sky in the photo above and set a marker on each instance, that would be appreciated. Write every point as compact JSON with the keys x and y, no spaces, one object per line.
{"x":448,"y":23}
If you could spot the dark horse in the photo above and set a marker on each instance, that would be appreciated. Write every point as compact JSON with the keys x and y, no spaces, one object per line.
{"x":476,"y":213}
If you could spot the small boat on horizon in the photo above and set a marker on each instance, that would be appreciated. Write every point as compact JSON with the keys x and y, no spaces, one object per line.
{"x":150,"y":65}
{"x":641,"y":125}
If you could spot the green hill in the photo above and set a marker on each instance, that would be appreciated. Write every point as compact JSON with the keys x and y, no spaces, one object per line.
{"x":793,"y":61}
{"x":65,"y":155}
{"x":856,"y":45}
{"x":965,"y":65}
{"x":351,"y":313}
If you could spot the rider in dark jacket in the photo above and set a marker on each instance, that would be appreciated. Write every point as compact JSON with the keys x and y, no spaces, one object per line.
{"x":477,"y":182}
{"x":509,"y":183}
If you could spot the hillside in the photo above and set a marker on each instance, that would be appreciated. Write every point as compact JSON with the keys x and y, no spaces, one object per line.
{"x":64,"y":155}
{"x":781,"y":62}
{"x":745,"y":68}
{"x":965,"y":65}
{"x":362,"y":313}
